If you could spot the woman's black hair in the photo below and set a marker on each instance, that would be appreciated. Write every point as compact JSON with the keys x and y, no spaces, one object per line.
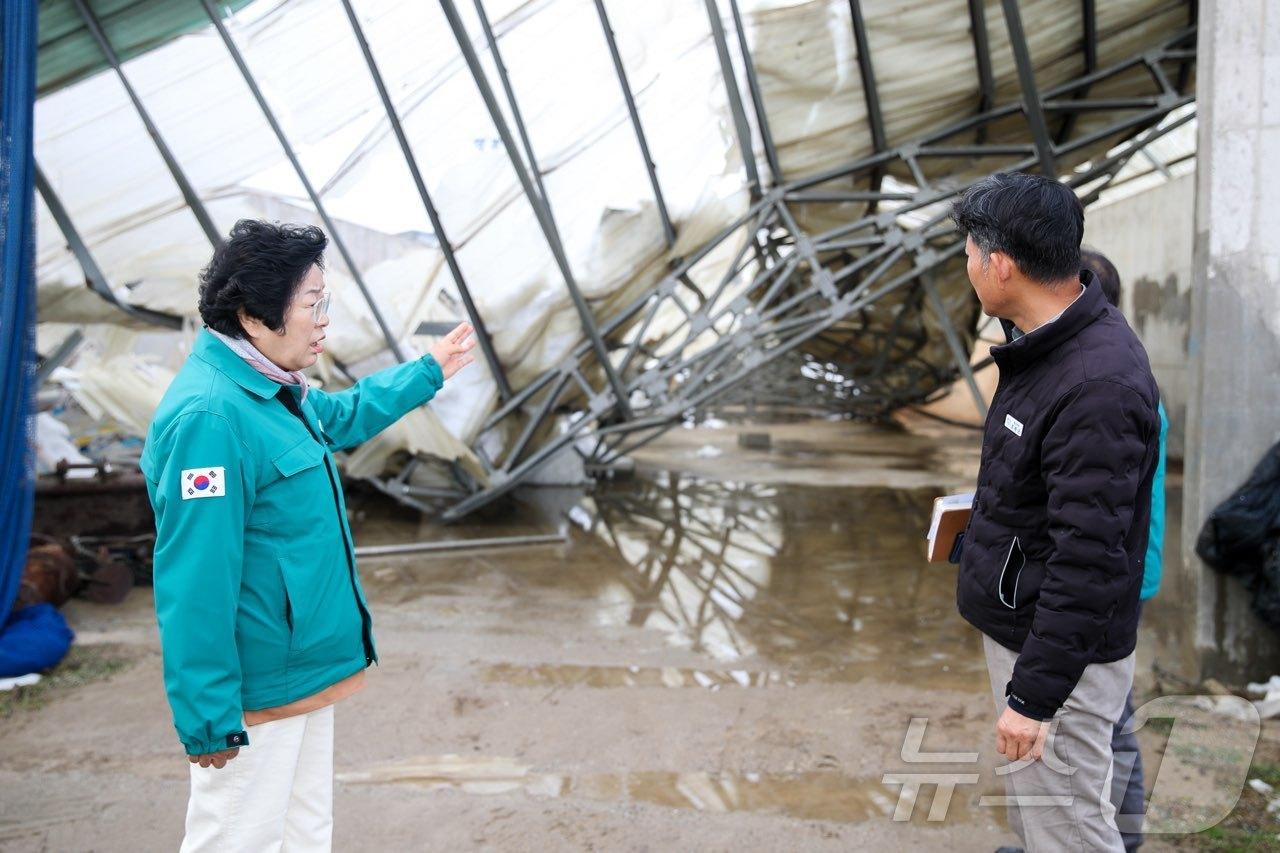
{"x":1105,"y":271}
{"x":258,"y":268}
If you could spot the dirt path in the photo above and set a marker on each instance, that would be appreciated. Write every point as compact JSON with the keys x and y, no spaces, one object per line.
{"x":704,"y":664}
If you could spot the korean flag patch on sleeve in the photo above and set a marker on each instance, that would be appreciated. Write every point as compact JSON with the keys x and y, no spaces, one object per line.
{"x":203,"y":483}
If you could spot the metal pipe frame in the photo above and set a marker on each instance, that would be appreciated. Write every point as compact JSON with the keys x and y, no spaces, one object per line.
{"x":1030,"y":94}
{"x":871,"y":96}
{"x":757,"y":97}
{"x":958,"y":350}
{"x":516,"y":114}
{"x":796,"y":290}
{"x":59,"y":356}
{"x":1186,"y":64}
{"x":455,"y":546}
{"x":1089,"y":49}
{"x":93,"y":275}
{"x":866,"y":70}
{"x":743,"y":130}
{"x":180,"y":178}
{"x":541,"y":209}
{"x":473,"y":314}
{"x":338,"y":242}
{"x":982,"y":59}
{"x":770,"y":307}
{"x":668,"y":231}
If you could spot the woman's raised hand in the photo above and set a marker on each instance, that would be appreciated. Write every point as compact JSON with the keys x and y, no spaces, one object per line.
{"x":453,"y":351}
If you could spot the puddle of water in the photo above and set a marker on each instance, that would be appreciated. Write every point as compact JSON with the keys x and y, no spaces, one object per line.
{"x":819,"y":452}
{"x":574,"y":675}
{"x":474,"y":775}
{"x":824,"y":582}
{"x":612,"y":677}
{"x":806,"y":796}
{"x":815,"y":583}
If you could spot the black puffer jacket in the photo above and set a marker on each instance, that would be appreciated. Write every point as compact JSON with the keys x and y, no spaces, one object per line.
{"x":1051,"y":565}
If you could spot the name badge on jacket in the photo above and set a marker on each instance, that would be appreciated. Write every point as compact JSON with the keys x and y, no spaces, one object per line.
{"x":1013,"y":425}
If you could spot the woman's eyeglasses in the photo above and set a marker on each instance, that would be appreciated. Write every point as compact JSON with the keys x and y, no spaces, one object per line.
{"x":320,"y":310}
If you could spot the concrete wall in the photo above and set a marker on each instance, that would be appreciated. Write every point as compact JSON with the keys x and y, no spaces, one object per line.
{"x":1149,"y":237}
{"x":1234,"y":404}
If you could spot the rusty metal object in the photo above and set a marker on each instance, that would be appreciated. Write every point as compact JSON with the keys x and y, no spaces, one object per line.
{"x":102,"y":526}
{"x":113,"y":565}
{"x":112,"y":505}
{"x":49,"y":576}
{"x":102,"y":466}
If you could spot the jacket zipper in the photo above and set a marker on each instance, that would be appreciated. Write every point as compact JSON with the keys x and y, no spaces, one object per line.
{"x":977,"y":494}
{"x":1015,"y":545}
{"x":365,"y":620}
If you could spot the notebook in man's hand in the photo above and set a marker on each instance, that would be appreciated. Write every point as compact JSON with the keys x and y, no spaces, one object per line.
{"x":950,"y":517}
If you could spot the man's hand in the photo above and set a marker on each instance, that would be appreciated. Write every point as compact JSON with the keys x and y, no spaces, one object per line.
{"x":216,"y":760}
{"x":452,"y":352}
{"x":1019,"y":737}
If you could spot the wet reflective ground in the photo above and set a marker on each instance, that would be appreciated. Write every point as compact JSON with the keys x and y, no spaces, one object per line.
{"x":777,"y":585}
{"x":727,"y":650}
{"x":724,"y":633}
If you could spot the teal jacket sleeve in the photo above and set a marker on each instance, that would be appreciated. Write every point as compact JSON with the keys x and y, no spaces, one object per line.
{"x":1153,"y":566}
{"x":201,"y":482}
{"x":358,"y":413}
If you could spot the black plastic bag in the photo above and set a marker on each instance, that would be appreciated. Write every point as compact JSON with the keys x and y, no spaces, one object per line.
{"x":1266,"y":589}
{"x":1236,"y":534}
{"x":1241,"y":537}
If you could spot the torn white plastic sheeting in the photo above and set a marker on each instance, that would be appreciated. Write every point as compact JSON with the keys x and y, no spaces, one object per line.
{"x":1269,"y":705}
{"x":114,"y":377}
{"x":53,"y":445}
{"x":125,"y":388}
{"x":1270,"y":689}
{"x":419,"y":432}
{"x":306,"y":61}
{"x":20,"y":681}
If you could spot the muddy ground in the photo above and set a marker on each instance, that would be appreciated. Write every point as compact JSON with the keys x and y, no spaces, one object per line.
{"x":726,"y":652}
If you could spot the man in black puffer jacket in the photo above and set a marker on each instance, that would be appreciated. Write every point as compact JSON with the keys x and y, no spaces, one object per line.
{"x":1051,"y":562}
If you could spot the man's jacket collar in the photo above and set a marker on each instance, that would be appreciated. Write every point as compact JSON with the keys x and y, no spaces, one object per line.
{"x":1017,"y":354}
{"x":219,"y":356}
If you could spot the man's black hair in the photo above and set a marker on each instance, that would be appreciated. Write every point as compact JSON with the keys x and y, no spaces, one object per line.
{"x":1105,"y":271}
{"x":1036,"y":221}
{"x":258,"y":269}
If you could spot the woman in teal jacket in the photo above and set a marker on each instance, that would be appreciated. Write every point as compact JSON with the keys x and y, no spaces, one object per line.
{"x":263,"y":624}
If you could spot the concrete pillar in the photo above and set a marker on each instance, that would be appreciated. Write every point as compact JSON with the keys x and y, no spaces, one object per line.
{"x":1234,"y":407}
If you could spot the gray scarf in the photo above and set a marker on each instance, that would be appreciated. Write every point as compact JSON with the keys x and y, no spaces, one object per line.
{"x":261,"y":363}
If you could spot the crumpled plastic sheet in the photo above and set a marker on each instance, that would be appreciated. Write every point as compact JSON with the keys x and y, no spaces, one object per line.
{"x":97,"y":156}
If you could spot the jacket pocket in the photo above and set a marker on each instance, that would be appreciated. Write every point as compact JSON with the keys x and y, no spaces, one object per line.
{"x":322,"y":613}
{"x":296,"y":619}
{"x":1011,"y":573}
{"x":288,"y":603}
{"x":298,"y":458}
{"x":297,"y":498}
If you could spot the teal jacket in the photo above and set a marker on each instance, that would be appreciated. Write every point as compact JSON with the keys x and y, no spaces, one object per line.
{"x":1153,"y":568}
{"x":256,"y":589}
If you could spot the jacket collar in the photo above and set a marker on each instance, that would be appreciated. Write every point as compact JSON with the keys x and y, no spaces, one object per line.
{"x":220,"y":357}
{"x":1031,"y":347}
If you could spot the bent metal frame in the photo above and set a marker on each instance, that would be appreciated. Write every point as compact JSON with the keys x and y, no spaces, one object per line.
{"x":822,"y":310}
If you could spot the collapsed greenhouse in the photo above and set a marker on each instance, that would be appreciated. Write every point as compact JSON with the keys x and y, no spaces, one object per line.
{"x":647,"y":211}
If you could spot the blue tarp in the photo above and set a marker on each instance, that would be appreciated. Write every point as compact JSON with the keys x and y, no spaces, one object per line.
{"x":17,"y":292}
{"x":36,"y":638}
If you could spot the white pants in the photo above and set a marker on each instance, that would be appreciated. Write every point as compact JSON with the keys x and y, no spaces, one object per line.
{"x":276,"y":795}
